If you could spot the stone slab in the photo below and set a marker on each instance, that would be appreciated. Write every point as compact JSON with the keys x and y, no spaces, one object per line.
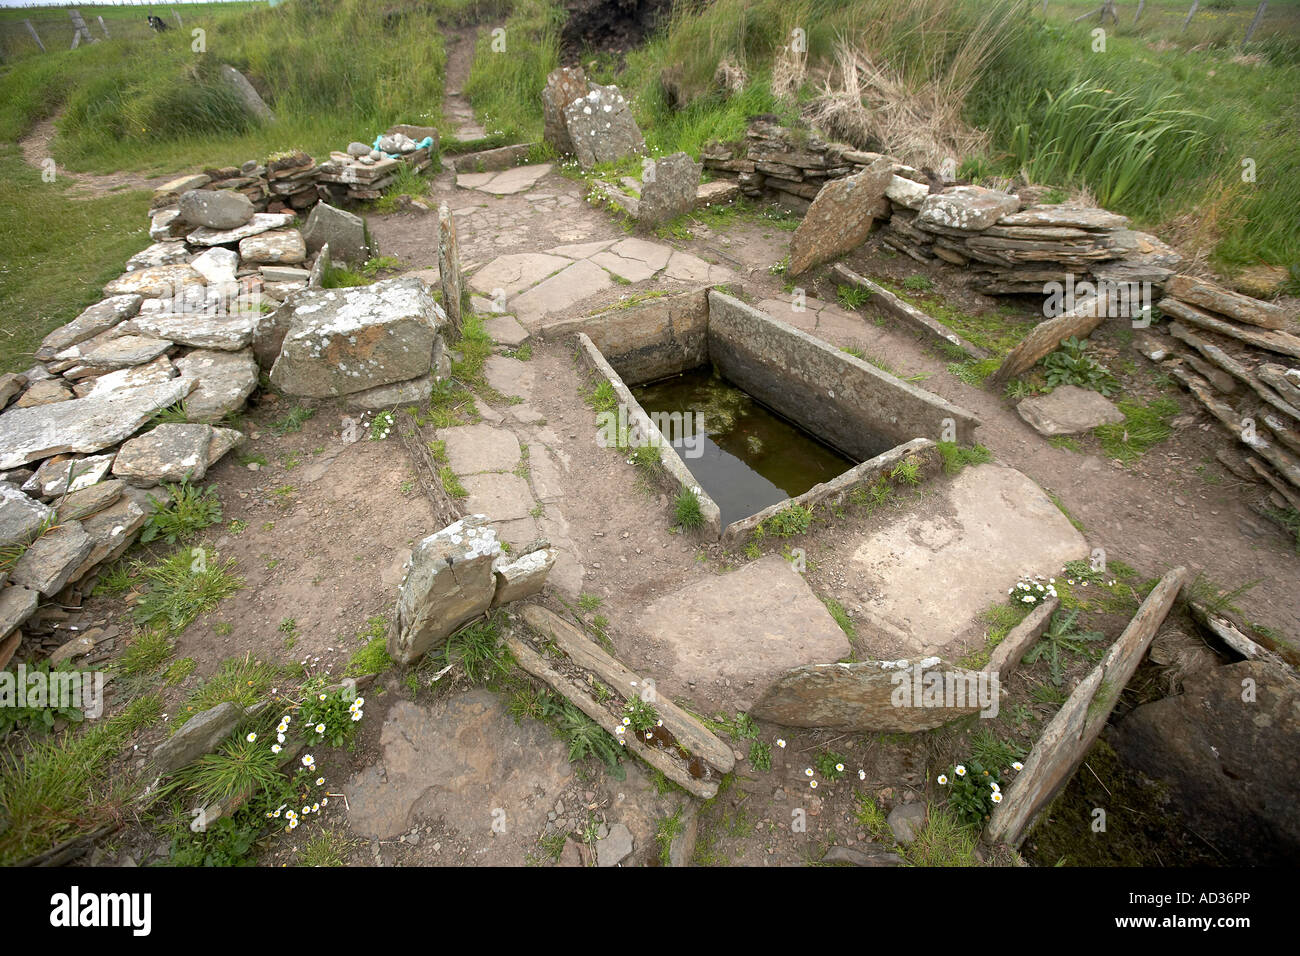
{"x":475,"y":448}
{"x":926,"y":581}
{"x":84,"y":424}
{"x":1068,"y":410}
{"x":733,"y":635}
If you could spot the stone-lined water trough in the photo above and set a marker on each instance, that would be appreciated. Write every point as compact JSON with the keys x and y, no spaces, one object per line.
{"x":842,"y":401}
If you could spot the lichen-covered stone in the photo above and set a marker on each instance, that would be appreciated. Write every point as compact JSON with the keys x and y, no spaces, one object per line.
{"x":601,"y":126}
{"x":341,"y":341}
{"x":173,"y":452}
{"x":965,"y":208}
{"x":449,"y":581}
{"x":840,"y":217}
{"x":84,"y":424}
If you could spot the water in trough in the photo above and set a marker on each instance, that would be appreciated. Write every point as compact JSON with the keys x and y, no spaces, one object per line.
{"x":742,"y":454}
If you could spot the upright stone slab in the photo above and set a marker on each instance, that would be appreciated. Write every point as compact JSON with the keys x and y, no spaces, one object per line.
{"x":341,"y":341}
{"x":563,"y":86}
{"x":344,"y":232}
{"x":601,"y":127}
{"x":449,"y":275}
{"x":449,"y":582}
{"x":840,"y":217}
{"x":252,"y":101}
{"x":668,"y":188}
{"x":523,"y":577}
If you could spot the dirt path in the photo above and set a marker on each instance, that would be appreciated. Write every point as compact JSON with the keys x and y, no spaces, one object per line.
{"x":36,"y":152}
{"x":455,"y":106}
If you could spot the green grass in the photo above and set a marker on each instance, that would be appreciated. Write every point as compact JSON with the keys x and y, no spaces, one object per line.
{"x":841,"y":617}
{"x":871,"y":818}
{"x":505,"y":86}
{"x":1143,"y":427}
{"x":238,"y":766}
{"x":331,"y":73}
{"x":148,"y":650}
{"x":686,"y":509}
{"x":479,"y":651}
{"x":371,"y":659}
{"x":185,"y":511}
{"x":328,"y":848}
{"x":60,"y":787}
{"x":667,"y":829}
{"x":57,"y":253}
{"x":181,"y":587}
{"x":240,"y":680}
{"x":1078,"y":525}
{"x":292,"y":421}
{"x":956,"y":457}
{"x":942,"y":841}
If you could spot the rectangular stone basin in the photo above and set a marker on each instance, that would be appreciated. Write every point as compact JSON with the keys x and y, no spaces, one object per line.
{"x":843,"y":402}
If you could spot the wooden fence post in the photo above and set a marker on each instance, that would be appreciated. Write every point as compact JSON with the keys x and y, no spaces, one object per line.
{"x":35,"y":36}
{"x":1259,"y":15}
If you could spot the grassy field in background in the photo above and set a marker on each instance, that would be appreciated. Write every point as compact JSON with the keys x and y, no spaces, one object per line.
{"x":1156,"y":127}
{"x":56,"y":253}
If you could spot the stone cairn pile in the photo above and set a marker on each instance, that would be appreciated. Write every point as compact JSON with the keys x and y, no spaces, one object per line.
{"x":184,"y":329}
{"x":1009,"y":249}
{"x":364,"y":172}
{"x":1234,"y":354}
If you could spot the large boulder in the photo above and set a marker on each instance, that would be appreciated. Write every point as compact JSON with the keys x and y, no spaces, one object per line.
{"x":563,"y":86}
{"x":341,"y":341}
{"x":343,"y":232}
{"x":216,"y":208}
{"x":840,"y":217}
{"x":449,"y":581}
{"x":601,"y":127}
{"x":1228,"y":750}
